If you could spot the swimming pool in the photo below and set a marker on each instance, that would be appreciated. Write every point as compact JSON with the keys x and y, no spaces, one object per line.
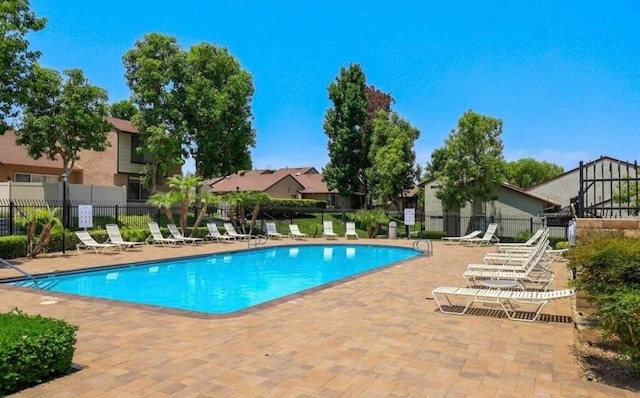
{"x":225,"y":282}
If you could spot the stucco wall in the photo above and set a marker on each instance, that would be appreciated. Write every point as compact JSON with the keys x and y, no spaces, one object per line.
{"x":100,"y":167}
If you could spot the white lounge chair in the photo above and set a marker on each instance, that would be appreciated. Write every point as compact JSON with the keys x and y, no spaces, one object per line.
{"x":272,"y":231}
{"x":214,"y":233}
{"x":87,"y":242}
{"x":232,"y":232}
{"x":176,"y":234}
{"x":488,"y":238}
{"x":351,"y":230}
{"x":156,"y":236}
{"x":503,"y":298}
{"x":541,"y":233}
{"x":295,"y":232}
{"x":327,"y":230}
{"x":448,"y":240}
{"x":115,"y":237}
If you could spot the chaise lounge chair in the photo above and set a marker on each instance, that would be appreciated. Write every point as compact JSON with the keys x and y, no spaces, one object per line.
{"x":157,"y":238}
{"x":214,"y":233}
{"x":327,"y":230}
{"x":176,"y":234}
{"x":448,"y":240}
{"x":488,"y":238}
{"x":115,"y":237}
{"x":272,"y":231}
{"x":541,"y":233}
{"x":505,"y":299}
{"x":87,"y":242}
{"x":351,"y":230}
{"x":295,"y":232}
{"x":232,"y":232}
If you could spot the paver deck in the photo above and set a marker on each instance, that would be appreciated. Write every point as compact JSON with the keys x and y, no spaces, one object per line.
{"x":374,"y":336}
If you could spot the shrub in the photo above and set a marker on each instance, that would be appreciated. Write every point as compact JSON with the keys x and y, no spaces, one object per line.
{"x":33,"y":349}
{"x":608,"y":270}
{"x":563,"y":245}
{"x":13,"y":246}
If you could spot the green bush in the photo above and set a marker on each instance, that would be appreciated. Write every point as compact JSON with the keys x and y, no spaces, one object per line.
{"x":563,"y":245}
{"x":33,"y":349}
{"x":13,"y":246}
{"x":608,"y":271}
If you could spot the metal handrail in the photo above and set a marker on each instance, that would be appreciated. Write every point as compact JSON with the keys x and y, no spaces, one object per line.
{"x":25,"y":273}
{"x":429,"y":246}
{"x":258,"y":239}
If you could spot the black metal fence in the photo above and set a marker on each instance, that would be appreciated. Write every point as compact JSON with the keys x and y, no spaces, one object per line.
{"x":138,"y":215}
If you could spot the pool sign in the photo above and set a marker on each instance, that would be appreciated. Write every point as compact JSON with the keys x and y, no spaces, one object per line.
{"x":85,"y":216}
{"x":409,"y":216}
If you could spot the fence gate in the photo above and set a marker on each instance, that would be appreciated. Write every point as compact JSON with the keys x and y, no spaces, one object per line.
{"x":609,"y":188}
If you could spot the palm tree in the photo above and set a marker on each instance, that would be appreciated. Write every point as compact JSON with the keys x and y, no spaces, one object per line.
{"x":244,"y":198}
{"x":206,"y":199}
{"x":185,"y":187}
{"x":29,"y":220}
{"x":165,"y":201}
{"x":372,"y":219}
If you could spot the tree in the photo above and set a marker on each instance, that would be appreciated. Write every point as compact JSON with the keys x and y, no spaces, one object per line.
{"x":61,"y":119}
{"x":474,"y":162}
{"x":31,"y":219}
{"x":392,"y":156}
{"x":16,"y":61}
{"x":165,"y":201}
{"x":154,"y":73}
{"x":436,"y":166}
{"x":627,"y":194}
{"x":528,"y":172}
{"x":372,"y":219}
{"x":217,"y":112}
{"x":124,"y":109}
{"x":348,"y":157}
{"x":244,"y":198}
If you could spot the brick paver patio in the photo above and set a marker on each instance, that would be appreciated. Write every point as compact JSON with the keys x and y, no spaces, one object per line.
{"x":374,"y":336}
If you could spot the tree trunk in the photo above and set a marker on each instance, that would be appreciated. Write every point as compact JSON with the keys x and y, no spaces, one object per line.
{"x":201,"y":214}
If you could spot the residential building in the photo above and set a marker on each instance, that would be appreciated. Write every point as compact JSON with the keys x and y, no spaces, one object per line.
{"x":119,"y":165}
{"x":290,"y":183}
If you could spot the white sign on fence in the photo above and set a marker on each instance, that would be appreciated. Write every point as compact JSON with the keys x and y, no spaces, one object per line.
{"x":85,"y":216}
{"x":409,"y":216}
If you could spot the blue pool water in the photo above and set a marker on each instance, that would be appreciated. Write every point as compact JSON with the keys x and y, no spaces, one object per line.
{"x":226,"y":282}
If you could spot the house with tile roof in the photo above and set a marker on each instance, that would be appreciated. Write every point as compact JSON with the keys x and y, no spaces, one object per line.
{"x":289,"y":183}
{"x":120,"y":165}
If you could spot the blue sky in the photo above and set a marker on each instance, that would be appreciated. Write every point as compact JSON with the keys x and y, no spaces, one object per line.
{"x":564,"y":76}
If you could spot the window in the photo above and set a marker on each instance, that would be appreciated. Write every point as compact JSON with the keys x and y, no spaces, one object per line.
{"x":28,"y":177}
{"x":135,"y":190}
{"x":331,"y":199}
{"x":137,"y":157}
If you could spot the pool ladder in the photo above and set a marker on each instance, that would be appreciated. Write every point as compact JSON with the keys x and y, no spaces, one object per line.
{"x":257,"y":240}
{"x":426,"y":243}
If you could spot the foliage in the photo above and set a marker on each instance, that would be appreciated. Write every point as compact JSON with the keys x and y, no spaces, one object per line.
{"x":243,"y":198}
{"x":436,"y":166}
{"x":132,"y":221}
{"x":474,"y":162}
{"x":154,"y":69}
{"x":61,"y":119}
{"x":372,"y":219}
{"x":124,"y":109}
{"x":16,"y":60}
{"x":217,"y":113}
{"x":608,"y":271}
{"x":33,"y":218}
{"x":626,"y":193}
{"x":528,"y":172}
{"x":33,"y":349}
{"x":348,"y":156}
{"x":562,"y":245}
{"x":392,"y":157}
{"x":13,"y":246}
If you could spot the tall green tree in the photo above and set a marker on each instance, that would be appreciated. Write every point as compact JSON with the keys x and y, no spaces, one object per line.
{"x":435,"y":167}
{"x":217,"y":111}
{"x":154,"y":71}
{"x":16,"y":60}
{"x":63,"y":118}
{"x":393,"y":168}
{"x":124,"y":109}
{"x":348,"y":155}
{"x":474,"y":165}
{"x":528,"y":172}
